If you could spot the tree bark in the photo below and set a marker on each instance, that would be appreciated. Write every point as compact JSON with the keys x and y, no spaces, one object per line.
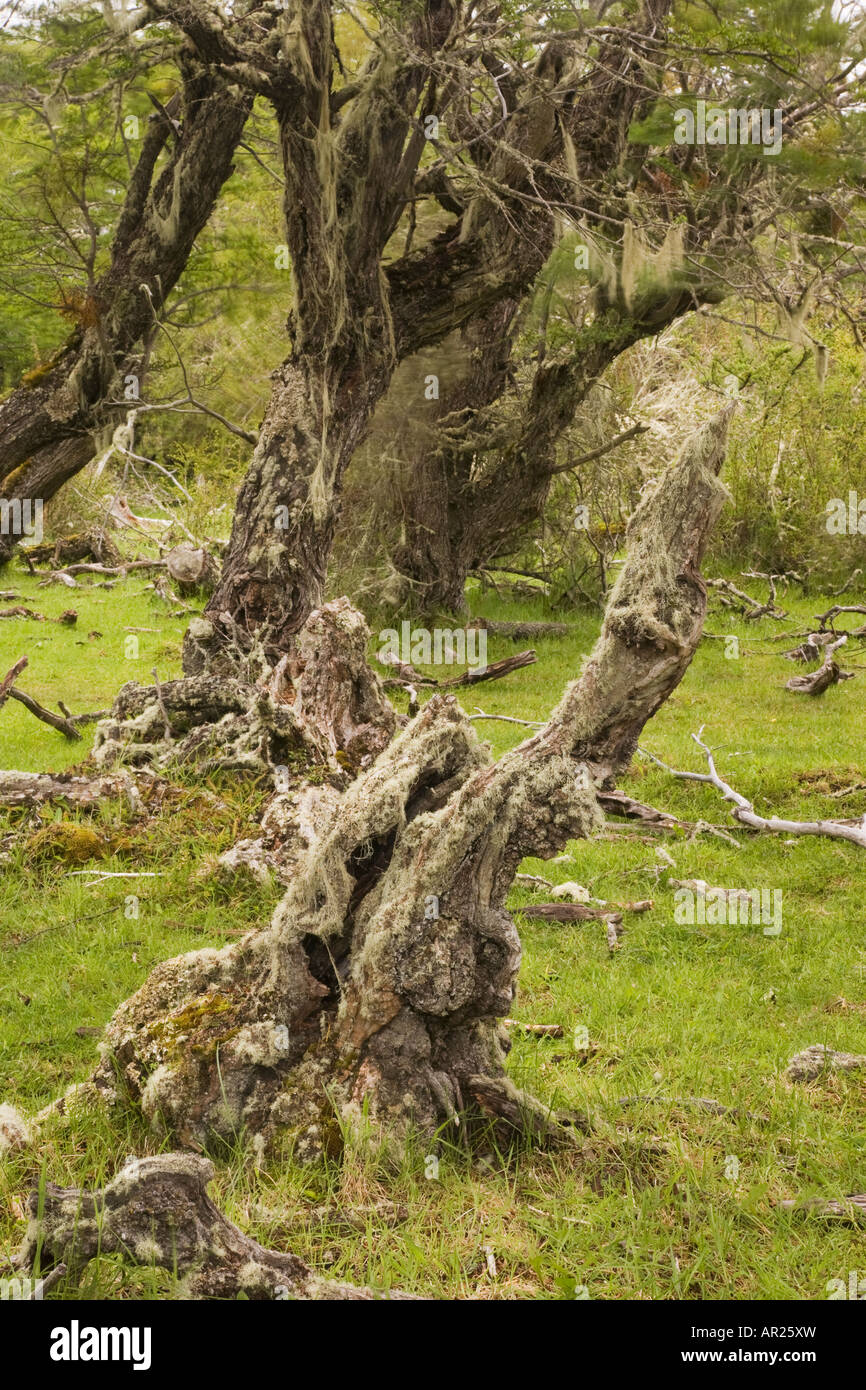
{"x":379,"y":984}
{"x":475,"y":492}
{"x":46,"y":424}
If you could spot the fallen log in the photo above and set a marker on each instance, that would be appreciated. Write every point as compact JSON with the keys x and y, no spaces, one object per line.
{"x":582,"y":912}
{"x":28,"y":789}
{"x":521,"y":632}
{"x":19,"y":611}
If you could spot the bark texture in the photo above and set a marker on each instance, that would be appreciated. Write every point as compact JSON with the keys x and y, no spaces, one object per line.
{"x":348,"y":176}
{"x":487,"y":477}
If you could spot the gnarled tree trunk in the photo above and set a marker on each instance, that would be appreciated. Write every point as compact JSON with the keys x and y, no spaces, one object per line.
{"x":474,"y":492}
{"x":381,"y":981}
{"x":355,"y":318}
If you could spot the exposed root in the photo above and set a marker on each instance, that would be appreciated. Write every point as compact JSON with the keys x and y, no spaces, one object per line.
{"x":156,"y":1212}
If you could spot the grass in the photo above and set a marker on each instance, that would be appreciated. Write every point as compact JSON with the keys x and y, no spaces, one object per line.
{"x":664,"y":1200}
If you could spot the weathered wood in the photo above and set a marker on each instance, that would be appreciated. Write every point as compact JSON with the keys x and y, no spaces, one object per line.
{"x":63,"y":724}
{"x":46,"y":424}
{"x":37,"y":788}
{"x":193,"y":570}
{"x":744,"y":813}
{"x":521,"y":632}
{"x":157,"y":1211}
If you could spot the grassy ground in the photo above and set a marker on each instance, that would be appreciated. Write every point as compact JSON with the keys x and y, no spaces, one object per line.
{"x":665,"y":1200}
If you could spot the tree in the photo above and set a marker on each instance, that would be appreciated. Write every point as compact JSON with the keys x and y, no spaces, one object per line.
{"x":352,"y":155}
{"x":380,"y":982}
{"x":674,"y":227}
{"x":187,"y":153}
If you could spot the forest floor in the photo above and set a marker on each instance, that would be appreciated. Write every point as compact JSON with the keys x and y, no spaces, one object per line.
{"x":664,"y":1200}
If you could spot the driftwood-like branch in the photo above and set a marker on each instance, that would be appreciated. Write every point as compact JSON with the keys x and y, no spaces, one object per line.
{"x":827,"y":674}
{"x":494,"y":671}
{"x":749,"y":607}
{"x":407,"y":675}
{"x":744,"y":813}
{"x":37,"y":788}
{"x":832,"y":613}
{"x":157,"y":1212}
{"x":63,"y":725}
{"x":812,"y":649}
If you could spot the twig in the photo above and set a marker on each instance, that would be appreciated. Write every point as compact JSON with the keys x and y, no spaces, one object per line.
{"x":744,"y":812}
{"x":9,"y":679}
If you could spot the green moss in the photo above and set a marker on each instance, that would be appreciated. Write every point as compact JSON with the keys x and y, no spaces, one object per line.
{"x":198,"y":1028}
{"x":68,"y":842}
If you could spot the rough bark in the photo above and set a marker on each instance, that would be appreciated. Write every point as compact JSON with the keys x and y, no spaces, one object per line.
{"x":28,"y":789}
{"x":46,"y":424}
{"x":156,"y":1212}
{"x":381,"y":981}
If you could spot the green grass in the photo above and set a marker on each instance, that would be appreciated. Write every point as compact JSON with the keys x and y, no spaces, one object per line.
{"x":649,"y":1207}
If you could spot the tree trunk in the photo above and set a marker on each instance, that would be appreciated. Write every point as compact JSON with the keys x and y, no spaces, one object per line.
{"x":354,"y":318}
{"x":46,"y":423}
{"x":380,"y":983}
{"x":474,"y":493}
